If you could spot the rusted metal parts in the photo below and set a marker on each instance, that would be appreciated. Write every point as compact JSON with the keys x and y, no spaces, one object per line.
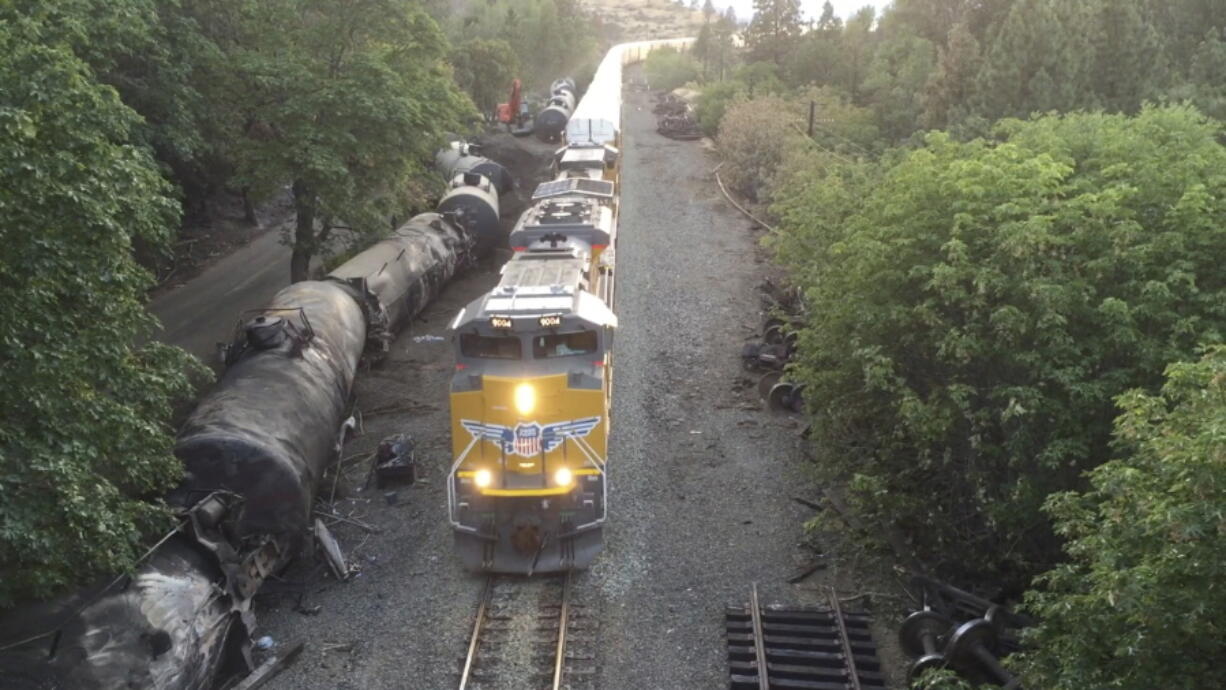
{"x":769,"y":358}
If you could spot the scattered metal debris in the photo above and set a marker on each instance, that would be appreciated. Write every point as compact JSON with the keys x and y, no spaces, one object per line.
{"x":331,"y":550}
{"x":800,"y":647}
{"x":271,"y":667}
{"x":396,"y":460}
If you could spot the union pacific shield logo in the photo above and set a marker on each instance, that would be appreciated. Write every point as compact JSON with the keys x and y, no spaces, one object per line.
{"x":530,"y":438}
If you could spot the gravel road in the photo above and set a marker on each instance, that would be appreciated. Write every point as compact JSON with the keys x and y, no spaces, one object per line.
{"x":702,"y":478}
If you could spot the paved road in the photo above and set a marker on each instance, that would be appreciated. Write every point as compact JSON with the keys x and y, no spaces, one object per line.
{"x":202,"y":312}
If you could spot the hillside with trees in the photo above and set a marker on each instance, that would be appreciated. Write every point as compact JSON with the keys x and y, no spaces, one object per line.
{"x":1007,"y":225}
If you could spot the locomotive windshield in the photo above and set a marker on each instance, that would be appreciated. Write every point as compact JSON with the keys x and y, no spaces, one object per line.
{"x":490,"y":346}
{"x":564,"y":344}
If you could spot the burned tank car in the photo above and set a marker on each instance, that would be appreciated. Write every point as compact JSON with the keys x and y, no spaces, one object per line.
{"x":165,"y":628}
{"x":460,"y":157}
{"x":409,"y":268}
{"x":551,"y":120}
{"x":269,"y":427}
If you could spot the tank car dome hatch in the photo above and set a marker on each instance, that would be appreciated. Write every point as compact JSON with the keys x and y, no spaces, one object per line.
{"x":563,"y":84}
{"x":265,"y":332}
{"x":474,"y":197}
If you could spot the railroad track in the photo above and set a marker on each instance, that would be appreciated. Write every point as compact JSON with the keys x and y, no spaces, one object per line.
{"x":800,"y":647}
{"x":529,"y":634}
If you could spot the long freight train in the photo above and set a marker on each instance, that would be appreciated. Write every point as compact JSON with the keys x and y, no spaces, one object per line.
{"x":530,"y":397}
{"x":253,"y":450}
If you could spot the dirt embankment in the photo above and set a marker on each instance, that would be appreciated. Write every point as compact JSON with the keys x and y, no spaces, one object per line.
{"x":641,"y":20}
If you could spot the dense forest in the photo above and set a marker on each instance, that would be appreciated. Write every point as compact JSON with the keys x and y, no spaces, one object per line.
{"x":1007,"y":223}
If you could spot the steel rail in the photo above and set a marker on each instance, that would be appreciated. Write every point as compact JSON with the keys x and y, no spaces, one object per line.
{"x":853,"y":674}
{"x":486,"y":595}
{"x":563,"y":617}
{"x":759,"y":640}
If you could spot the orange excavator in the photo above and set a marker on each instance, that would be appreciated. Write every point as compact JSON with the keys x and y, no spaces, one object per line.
{"x":514,"y":113}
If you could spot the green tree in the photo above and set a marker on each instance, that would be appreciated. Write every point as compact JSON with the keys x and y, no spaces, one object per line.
{"x":773,"y":30}
{"x":713,"y":101}
{"x":149,"y":51}
{"x":1129,"y":56}
{"x":552,"y":38}
{"x":901,"y":66}
{"x":347,"y":101}
{"x":86,"y":439}
{"x":723,"y":49}
{"x":667,"y":69}
{"x":1039,"y":59}
{"x":858,"y":44}
{"x":484,"y":69}
{"x":948,"y":92}
{"x":1146,"y":549}
{"x":1208,"y":74}
{"x":982,"y":304}
{"x":818,"y":53}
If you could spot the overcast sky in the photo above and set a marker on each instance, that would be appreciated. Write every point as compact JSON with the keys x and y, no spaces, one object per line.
{"x":812,"y":8}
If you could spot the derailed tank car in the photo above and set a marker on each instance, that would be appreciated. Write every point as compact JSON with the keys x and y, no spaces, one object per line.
{"x":551,"y":120}
{"x":254,"y":450}
{"x":269,"y":428}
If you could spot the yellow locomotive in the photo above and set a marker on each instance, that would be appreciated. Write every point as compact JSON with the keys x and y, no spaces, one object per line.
{"x":530,"y":397}
{"x":530,"y":394}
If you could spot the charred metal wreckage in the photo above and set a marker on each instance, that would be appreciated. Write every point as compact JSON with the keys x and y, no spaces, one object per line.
{"x":675,"y":118}
{"x":253,"y":450}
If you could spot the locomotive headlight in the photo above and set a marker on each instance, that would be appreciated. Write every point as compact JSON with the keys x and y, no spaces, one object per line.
{"x":562,"y":477}
{"x":483,"y":478}
{"x":525,"y":398}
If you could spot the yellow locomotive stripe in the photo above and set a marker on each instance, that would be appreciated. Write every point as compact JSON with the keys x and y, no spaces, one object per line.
{"x":555,"y":491}
{"x":586,"y":471}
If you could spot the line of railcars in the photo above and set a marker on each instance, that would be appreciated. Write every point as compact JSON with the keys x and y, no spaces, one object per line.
{"x":530,"y":396}
{"x":253,"y":451}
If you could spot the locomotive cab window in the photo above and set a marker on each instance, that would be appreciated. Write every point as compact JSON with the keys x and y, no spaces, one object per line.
{"x":490,"y":346}
{"x":564,"y":344}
